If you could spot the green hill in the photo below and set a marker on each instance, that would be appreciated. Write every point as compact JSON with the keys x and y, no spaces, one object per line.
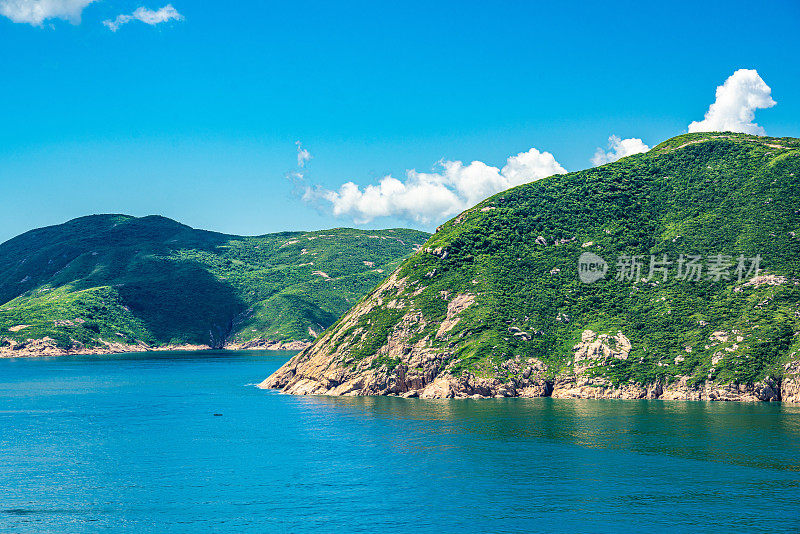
{"x":493,"y":304}
{"x":116,"y":279}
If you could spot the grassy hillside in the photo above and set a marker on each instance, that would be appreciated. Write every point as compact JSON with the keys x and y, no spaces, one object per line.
{"x":124,"y":279}
{"x":495,"y":293}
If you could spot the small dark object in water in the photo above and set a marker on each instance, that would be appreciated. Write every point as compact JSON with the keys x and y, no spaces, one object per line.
{"x":217,"y":415}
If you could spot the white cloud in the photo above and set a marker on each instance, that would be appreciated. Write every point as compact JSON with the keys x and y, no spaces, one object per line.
{"x":148,"y":16}
{"x":734,"y":109}
{"x":434,"y":196}
{"x":35,"y":12}
{"x":619,"y":149}
{"x":303,"y":155}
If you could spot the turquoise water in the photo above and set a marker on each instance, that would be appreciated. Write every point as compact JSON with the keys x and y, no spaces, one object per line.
{"x":131,"y":443}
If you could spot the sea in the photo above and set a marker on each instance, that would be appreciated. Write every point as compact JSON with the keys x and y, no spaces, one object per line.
{"x":185,"y":442}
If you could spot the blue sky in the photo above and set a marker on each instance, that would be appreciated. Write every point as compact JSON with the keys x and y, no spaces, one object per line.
{"x":197,"y":118}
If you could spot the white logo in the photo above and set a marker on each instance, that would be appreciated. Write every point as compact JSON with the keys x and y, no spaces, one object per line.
{"x":591,"y":268}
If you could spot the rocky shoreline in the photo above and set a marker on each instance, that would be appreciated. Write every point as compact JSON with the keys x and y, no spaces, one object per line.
{"x":47,"y":347}
{"x":267,"y":344}
{"x":561,"y":387}
{"x":424,"y":373}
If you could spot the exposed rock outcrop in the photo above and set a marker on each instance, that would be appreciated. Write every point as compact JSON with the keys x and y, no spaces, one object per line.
{"x":790,"y":386}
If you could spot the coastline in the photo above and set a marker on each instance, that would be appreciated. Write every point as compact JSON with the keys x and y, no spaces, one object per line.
{"x":313,"y":374}
{"x":785,"y":391}
{"x":47,"y":347}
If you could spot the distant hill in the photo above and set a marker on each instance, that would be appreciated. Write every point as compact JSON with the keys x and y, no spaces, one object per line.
{"x":108,"y":281}
{"x":494,"y":304}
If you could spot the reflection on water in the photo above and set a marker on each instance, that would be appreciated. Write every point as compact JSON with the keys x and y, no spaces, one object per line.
{"x":132,"y":443}
{"x":736,"y":433}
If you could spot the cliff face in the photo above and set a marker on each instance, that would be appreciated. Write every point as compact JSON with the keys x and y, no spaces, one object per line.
{"x":673,"y":274}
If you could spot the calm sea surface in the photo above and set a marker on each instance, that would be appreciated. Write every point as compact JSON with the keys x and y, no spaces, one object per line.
{"x":131,"y":443}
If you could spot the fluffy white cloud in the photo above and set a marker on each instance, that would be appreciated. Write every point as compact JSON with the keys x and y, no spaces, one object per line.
{"x":734,"y":109}
{"x":427,"y":197}
{"x":148,"y":16}
{"x":303,"y":155}
{"x":619,"y":148}
{"x":35,"y":12}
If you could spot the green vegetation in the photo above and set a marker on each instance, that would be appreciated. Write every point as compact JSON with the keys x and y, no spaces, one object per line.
{"x":517,"y":252}
{"x":117,"y":278}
